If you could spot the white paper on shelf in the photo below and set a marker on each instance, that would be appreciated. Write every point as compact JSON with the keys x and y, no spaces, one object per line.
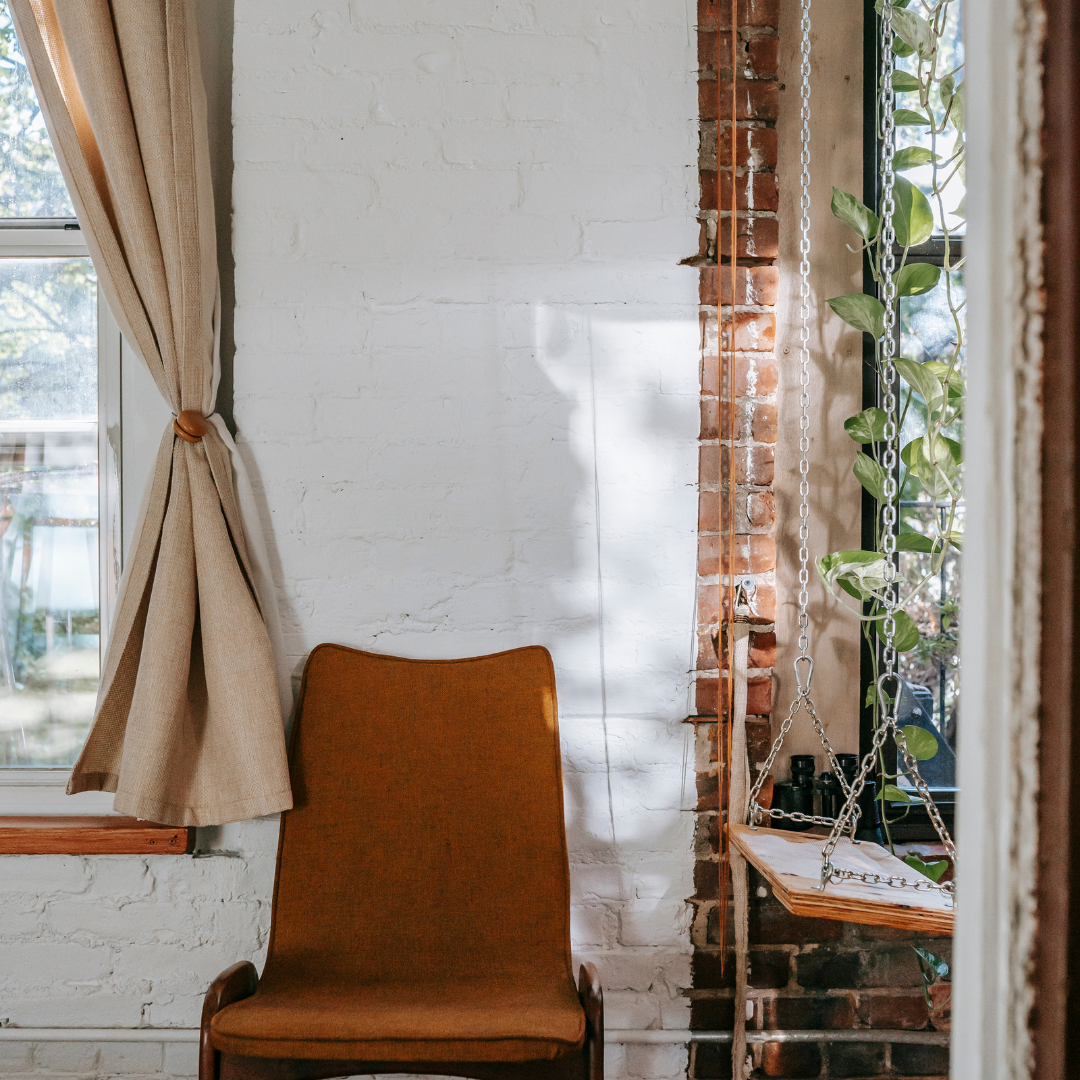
{"x":803,"y":858}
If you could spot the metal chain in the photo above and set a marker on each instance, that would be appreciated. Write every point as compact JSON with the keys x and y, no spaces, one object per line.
{"x":757,"y":812}
{"x":897,"y":881}
{"x":888,"y":725}
{"x":849,"y":815}
{"x":924,"y":792}
{"x":761,"y":812}
{"x":804,"y":337}
{"x":820,"y":729}
{"x":766,"y":769}
{"x":886,"y":263}
{"x":851,"y":812}
{"x":803,"y":693}
{"x":886,"y":260}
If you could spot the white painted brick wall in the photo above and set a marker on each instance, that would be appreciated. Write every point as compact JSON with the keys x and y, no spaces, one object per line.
{"x":466,"y":382}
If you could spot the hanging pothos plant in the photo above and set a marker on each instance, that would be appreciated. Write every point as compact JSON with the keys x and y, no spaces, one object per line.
{"x":929,"y":100}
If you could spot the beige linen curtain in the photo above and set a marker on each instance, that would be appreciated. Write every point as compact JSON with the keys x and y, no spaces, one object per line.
{"x":188,"y":725}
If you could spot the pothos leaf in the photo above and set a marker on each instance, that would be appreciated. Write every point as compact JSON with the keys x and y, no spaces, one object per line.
{"x":864,"y":312}
{"x":871,"y":475}
{"x":858,"y":573}
{"x":921,"y":744}
{"x":910,"y":118}
{"x":907,"y":633}
{"x":956,"y":450}
{"x":860,"y":219}
{"x":956,"y":382}
{"x":867,"y":426}
{"x":891,"y":793}
{"x":913,"y":219}
{"x":911,"y":157}
{"x":956,"y":112}
{"x":915,"y":279}
{"x":934,"y":466}
{"x":903,"y":82}
{"x":934,"y":872}
{"x":913,"y":541}
{"x":924,"y":382}
{"x":915,"y":32}
{"x":931,"y":965}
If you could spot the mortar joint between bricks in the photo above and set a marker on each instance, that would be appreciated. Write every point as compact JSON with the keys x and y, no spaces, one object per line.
{"x":740,"y":170}
{"x":755,"y":123}
{"x":749,"y":215}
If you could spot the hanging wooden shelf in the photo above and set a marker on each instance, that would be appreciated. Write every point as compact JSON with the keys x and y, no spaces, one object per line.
{"x":791,"y":863}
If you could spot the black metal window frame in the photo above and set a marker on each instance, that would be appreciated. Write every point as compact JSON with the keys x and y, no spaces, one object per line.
{"x":916,"y":826}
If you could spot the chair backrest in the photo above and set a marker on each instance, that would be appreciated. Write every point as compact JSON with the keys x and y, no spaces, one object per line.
{"x":427,"y":840}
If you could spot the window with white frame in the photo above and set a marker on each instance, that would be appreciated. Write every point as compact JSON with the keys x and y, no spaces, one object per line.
{"x":60,"y":527}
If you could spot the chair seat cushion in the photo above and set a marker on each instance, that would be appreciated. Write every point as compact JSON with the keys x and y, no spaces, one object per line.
{"x":355,"y":1022}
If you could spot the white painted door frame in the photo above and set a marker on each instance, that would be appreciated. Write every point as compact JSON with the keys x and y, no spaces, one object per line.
{"x":1000,"y":617}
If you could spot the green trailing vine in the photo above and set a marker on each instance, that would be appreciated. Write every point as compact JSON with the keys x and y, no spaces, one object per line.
{"x":929,"y":97}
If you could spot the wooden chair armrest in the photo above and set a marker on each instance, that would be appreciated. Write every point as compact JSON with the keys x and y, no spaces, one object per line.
{"x":233,"y":984}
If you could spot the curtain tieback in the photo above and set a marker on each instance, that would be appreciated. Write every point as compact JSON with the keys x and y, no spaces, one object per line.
{"x":191,"y":426}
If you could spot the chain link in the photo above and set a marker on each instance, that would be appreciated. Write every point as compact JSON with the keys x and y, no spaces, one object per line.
{"x":761,"y":812}
{"x":897,"y":881}
{"x":887,"y":262}
{"x":802,"y":701}
{"x":924,"y":792}
{"x":804,"y":336}
{"x":889,"y":704}
{"x":850,"y":814}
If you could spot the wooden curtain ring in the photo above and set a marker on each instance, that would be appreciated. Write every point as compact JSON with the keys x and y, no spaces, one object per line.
{"x":191,"y":426}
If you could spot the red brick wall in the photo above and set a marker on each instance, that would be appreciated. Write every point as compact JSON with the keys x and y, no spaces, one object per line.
{"x":804,"y":973}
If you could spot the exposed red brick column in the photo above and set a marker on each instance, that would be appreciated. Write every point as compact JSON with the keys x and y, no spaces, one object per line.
{"x":804,"y":973}
{"x":756,"y":372}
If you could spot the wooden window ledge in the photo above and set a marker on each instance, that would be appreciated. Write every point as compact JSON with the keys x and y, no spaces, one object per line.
{"x":92,"y":836}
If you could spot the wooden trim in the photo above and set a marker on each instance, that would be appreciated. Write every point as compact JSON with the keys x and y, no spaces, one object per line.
{"x":92,"y":836}
{"x":1056,"y":963}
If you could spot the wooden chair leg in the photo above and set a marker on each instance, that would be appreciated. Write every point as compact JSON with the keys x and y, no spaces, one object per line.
{"x":592,"y":1001}
{"x":233,"y":984}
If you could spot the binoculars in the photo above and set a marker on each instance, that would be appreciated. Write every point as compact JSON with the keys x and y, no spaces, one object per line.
{"x":824,"y":797}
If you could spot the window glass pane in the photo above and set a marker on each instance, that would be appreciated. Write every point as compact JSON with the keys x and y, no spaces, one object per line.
{"x":49,"y":609}
{"x":932,"y":669}
{"x":943,"y":144}
{"x":31,"y":184}
{"x":928,"y":331}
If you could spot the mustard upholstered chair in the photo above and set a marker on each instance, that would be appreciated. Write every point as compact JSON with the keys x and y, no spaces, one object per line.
{"x":422,"y":898}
